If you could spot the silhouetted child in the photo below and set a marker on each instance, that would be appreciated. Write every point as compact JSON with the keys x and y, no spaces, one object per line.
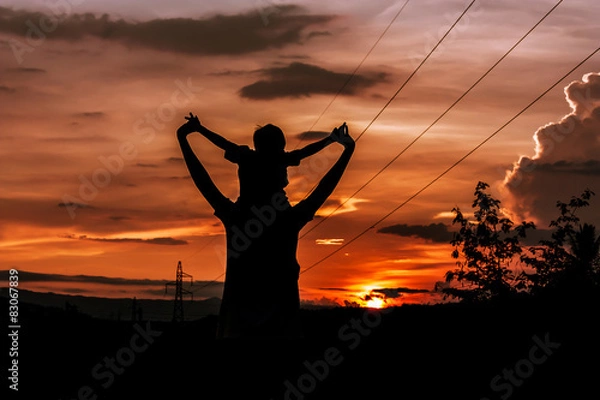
{"x":262,"y":172}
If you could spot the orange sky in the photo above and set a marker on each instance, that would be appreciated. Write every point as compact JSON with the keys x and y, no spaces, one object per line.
{"x":93,"y":91}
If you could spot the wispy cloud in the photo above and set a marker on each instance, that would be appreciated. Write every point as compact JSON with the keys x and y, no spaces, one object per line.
{"x":43,"y":277}
{"x":435,"y":232}
{"x":91,"y":114}
{"x":72,"y":204}
{"x":330,"y":242}
{"x":167,"y":241}
{"x":27,"y":70}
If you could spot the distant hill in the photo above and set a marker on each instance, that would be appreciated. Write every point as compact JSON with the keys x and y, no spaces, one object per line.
{"x":119,"y":309}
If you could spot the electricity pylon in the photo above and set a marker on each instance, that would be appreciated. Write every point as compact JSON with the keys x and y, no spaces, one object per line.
{"x":179,"y":292}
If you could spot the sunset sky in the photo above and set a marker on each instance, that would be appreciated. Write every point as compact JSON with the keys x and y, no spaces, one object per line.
{"x":92,"y":92}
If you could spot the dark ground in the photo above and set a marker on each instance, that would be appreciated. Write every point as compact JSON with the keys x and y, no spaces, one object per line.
{"x":412,"y":352}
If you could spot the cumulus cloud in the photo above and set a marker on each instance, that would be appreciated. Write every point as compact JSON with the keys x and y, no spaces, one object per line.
{"x":566,"y":159}
{"x":438,"y":233}
{"x":215,"y":35}
{"x":302,"y":80}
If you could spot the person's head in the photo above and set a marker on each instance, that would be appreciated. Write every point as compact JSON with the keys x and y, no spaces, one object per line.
{"x":269,"y":138}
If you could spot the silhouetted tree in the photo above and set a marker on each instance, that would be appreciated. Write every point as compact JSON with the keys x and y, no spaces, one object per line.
{"x":570,"y":260}
{"x":485,"y":249}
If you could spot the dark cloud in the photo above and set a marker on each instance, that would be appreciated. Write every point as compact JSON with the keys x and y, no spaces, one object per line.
{"x":392,"y":293}
{"x":566,"y":159}
{"x":294,"y":57}
{"x":319,"y":303}
{"x":91,"y":114}
{"x":77,"y":139}
{"x":43,"y":277}
{"x":7,"y":89}
{"x":118,"y":218}
{"x":302,"y":80}
{"x":40,"y":212}
{"x":147,"y":165}
{"x":588,"y":167}
{"x":438,"y":233}
{"x":154,"y":286}
{"x":334,"y":289}
{"x":214,"y":35}
{"x":71,"y":204}
{"x":312,"y":135}
{"x":229,"y":72}
{"x":166,"y":241}
{"x":26,"y":70}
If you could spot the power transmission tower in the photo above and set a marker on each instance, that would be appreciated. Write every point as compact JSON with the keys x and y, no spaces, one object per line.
{"x":179,"y":292}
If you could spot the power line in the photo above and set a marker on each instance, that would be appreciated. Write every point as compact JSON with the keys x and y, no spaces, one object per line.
{"x":215,"y":279}
{"x":212,"y":239}
{"x":402,"y":87}
{"x":357,"y":68}
{"x":415,"y":71}
{"x":212,"y":282}
{"x":506,"y":54}
{"x":453,"y":165}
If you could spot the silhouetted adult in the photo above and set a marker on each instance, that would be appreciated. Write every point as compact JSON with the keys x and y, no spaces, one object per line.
{"x":260,"y":295}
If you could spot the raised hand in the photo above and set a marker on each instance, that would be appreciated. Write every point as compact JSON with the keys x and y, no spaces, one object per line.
{"x":340,"y":135}
{"x":194,"y":122}
{"x":192,"y":125}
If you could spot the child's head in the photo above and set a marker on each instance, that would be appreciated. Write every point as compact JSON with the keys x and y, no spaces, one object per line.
{"x":269,"y":138}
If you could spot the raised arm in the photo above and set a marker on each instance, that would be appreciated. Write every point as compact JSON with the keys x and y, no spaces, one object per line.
{"x":199,"y":175}
{"x":328,"y":183}
{"x":195,"y":126}
{"x":312,"y":148}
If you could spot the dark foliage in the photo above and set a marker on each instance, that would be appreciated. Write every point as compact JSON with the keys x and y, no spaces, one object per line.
{"x":486,"y":249}
{"x":569,"y":262}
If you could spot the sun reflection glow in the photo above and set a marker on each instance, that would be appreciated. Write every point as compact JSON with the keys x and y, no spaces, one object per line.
{"x":375,"y":302}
